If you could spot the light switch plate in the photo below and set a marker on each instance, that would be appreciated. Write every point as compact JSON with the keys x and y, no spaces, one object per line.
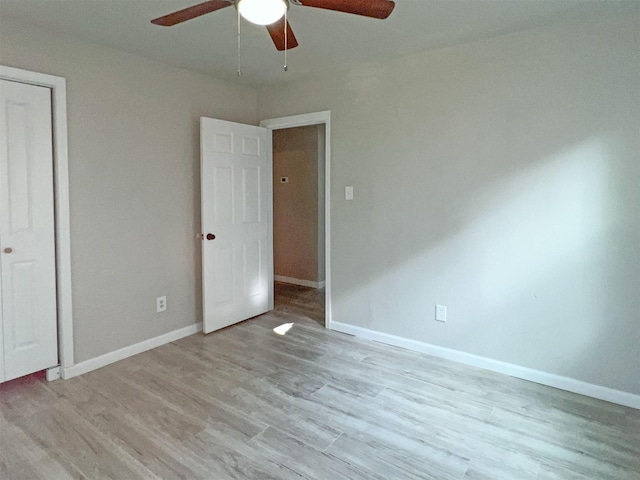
{"x":348,"y":193}
{"x":441,"y":313}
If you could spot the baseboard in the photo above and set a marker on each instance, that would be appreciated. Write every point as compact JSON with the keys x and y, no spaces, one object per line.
{"x":298,"y":281}
{"x":121,"y":354}
{"x":549,"y":379}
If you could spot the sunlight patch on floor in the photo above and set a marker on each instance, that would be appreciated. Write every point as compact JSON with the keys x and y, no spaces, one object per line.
{"x":283,"y":329}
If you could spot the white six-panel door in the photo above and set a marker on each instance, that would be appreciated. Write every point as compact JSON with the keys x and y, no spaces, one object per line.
{"x":27,"y":242}
{"x":236,"y":210}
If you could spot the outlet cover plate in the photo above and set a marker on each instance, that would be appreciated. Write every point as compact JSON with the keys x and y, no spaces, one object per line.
{"x":441,"y":313}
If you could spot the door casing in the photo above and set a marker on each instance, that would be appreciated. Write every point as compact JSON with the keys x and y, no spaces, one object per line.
{"x":315,"y":118}
{"x":57,"y":85}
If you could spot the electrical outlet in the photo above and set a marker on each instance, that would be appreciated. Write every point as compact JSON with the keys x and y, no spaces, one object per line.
{"x":161,"y":304}
{"x":441,"y":313}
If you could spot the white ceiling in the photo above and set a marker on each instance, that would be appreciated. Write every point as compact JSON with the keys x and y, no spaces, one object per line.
{"x":327,"y":39}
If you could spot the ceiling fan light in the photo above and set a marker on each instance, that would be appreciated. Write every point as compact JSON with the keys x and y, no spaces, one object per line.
{"x":262,"y":12}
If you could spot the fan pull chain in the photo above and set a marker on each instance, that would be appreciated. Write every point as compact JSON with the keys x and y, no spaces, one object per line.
{"x":239,"y":71}
{"x":286,"y":23}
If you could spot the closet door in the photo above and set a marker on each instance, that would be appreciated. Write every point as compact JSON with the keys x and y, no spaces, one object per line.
{"x":27,"y":238}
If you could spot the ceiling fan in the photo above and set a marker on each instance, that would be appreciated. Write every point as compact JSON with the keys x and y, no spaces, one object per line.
{"x":271,"y":13}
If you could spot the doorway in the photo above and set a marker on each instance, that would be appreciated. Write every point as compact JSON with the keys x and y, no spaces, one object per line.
{"x":298,"y":220}
{"x":57,"y":91}
{"x":300,"y":155}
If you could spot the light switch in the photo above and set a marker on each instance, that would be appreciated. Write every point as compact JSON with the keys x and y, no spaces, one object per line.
{"x":348,"y":193}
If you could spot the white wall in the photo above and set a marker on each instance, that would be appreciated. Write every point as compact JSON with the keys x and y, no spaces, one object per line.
{"x":500,"y":178}
{"x":134,"y":182}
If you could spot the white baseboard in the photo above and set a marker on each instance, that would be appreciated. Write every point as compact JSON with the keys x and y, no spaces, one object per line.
{"x":564,"y":383}
{"x":298,"y":281}
{"x":121,"y":354}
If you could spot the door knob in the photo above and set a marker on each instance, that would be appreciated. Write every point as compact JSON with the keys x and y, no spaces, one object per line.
{"x":211,"y":236}
{"x":8,"y":250}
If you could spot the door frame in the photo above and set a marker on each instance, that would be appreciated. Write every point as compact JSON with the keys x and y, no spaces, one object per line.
{"x":303,"y":120}
{"x":64,"y":304}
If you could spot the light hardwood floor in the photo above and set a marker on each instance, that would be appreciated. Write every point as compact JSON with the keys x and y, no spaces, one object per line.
{"x":246,"y":403}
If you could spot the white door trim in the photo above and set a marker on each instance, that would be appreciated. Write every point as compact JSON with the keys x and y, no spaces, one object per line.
{"x":61,"y":192}
{"x":315,"y":118}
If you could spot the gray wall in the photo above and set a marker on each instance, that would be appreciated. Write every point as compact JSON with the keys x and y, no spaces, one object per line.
{"x":500,"y":178}
{"x":134,"y":182}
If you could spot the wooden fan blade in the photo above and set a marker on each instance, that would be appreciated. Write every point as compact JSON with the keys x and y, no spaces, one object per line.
{"x":276,"y":30}
{"x":369,"y":8}
{"x":191,"y":12}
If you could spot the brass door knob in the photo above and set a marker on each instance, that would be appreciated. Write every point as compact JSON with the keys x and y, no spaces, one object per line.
{"x":8,"y":250}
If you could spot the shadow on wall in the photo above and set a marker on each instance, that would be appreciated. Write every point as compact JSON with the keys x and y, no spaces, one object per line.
{"x":536,"y":258}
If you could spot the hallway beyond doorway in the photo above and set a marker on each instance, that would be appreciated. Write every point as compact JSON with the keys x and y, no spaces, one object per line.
{"x":305,"y":301}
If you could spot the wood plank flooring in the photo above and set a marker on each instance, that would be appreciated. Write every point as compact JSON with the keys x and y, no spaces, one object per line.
{"x":246,"y":403}
{"x":301,"y":301}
